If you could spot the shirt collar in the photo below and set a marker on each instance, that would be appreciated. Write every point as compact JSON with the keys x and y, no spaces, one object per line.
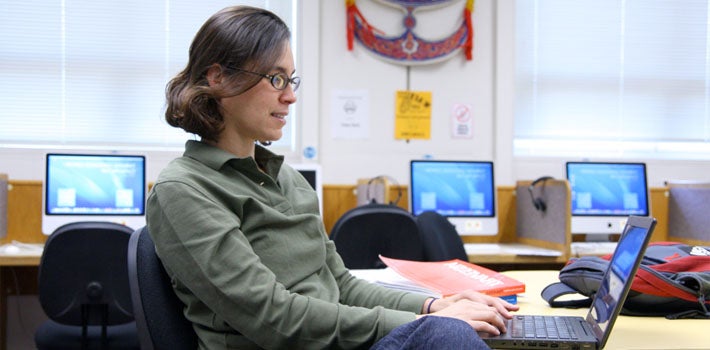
{"x":216,"y":158}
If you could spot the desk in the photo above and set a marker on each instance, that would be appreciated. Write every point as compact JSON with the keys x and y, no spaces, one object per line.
{"x":629,"y":332}
{"x":20,"y":260}
{"x":511,"y":256}
{"x":17,"y":271}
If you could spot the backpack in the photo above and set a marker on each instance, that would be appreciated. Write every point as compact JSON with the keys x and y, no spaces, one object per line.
{"x":673,"y":280}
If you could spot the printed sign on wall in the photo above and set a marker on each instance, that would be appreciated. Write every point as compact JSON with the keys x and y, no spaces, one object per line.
{"x":461,"y":121}
{"x":350,"y":114}
{"x":413,"y":115}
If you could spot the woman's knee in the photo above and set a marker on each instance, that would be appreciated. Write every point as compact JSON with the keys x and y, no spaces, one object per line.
{"x":432,"y":332}
{"x":451,"y":333}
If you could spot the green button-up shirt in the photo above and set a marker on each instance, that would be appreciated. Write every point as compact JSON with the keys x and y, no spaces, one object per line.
{"x":248,"y":254}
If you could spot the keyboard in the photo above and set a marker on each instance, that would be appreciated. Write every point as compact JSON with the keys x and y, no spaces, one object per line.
{"x":508,"y":249}
{"x":592,"y":248}
{"x":541,"y":327}
{"x":19,"y":248}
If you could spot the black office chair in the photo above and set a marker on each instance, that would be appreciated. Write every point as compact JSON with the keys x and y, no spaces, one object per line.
{"x":365,"y":232}
{"x":440,"y":239}
{"x":83,"y":289}
{"x":158,"y":311}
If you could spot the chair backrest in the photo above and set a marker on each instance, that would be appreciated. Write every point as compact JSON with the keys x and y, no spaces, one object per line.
{"x":688,"y":207}
{"x":158,"y":311}
{"x":439,"y":237}
{"x":83,"y":276}
{"x":365,"y":232}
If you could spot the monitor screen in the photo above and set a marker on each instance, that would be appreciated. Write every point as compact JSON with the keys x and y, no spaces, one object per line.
{"x":93,"y":187}
{"x":605,"y":194}
{"x":462,"y":191}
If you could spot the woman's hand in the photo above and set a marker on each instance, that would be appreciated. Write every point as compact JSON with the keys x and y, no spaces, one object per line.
{"x":483,"y":312}
{"x":499,"y":304}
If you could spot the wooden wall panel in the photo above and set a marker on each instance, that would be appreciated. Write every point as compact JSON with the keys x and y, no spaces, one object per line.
{"x":659,"y":210}
{"x":338,"y":199}
{"x":25,"y":210}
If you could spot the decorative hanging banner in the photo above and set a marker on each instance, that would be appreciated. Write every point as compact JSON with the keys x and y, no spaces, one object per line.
{"x":408,"y":48}
{"x":412,"y":118}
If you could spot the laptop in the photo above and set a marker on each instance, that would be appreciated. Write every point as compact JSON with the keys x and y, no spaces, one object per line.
{"x":592,"y":331}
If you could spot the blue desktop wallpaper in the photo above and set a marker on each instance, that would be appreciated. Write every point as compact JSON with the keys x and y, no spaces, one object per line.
{"x":608,"y":189}
{"x":453,"y":188}
{"x":95,"y":185}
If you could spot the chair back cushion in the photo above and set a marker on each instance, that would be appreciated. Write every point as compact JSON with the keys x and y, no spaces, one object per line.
{"x":83,"y":267}
{"x":158,"y":311}
{"x":365,"y":232}
{"x":439,"y":237}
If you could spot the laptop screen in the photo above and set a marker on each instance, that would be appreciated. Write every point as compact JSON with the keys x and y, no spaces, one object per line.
{"x":616,"y":282}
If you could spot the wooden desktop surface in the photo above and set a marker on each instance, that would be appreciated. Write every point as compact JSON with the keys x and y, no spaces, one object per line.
{"x":23,"y":256}
{"x":20,"y":259}
{"x":629,"y":332}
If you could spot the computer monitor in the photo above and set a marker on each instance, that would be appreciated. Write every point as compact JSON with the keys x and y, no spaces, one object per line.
{"x":604,"y":194}
{"x":93,"y":187}
{"x":462,"y":191}
{"x":312,"y":173}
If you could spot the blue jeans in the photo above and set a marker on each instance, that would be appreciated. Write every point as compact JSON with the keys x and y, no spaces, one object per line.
{"x":432,"y":332}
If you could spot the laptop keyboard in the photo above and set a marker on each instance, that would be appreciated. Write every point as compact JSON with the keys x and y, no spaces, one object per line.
{"x":543,"y":327}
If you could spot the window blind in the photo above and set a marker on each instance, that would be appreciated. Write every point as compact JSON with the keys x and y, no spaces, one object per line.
{"x":79,"y":72}
{"x":612,"y":78}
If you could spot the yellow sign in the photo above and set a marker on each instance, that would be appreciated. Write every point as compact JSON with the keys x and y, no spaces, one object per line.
{"x":413,"y":115}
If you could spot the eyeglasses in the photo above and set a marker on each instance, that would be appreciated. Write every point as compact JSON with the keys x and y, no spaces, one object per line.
{"x":279,"y":80}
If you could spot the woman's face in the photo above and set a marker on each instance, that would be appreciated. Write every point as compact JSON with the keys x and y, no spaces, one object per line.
{"x":259,"y":114}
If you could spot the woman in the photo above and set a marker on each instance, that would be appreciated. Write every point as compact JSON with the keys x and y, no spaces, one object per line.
{"x":239,"y":232}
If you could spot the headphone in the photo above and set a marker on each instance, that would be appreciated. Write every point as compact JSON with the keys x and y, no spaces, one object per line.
{"x":382,"y":178}
{"x":538,"y":202}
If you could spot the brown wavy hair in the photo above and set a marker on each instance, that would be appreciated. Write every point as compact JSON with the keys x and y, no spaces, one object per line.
{"x":239,"y":36}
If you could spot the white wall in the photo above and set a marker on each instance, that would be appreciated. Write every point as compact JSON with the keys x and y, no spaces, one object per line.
{"x":485,"y":83}
{"x":453,"y":81}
